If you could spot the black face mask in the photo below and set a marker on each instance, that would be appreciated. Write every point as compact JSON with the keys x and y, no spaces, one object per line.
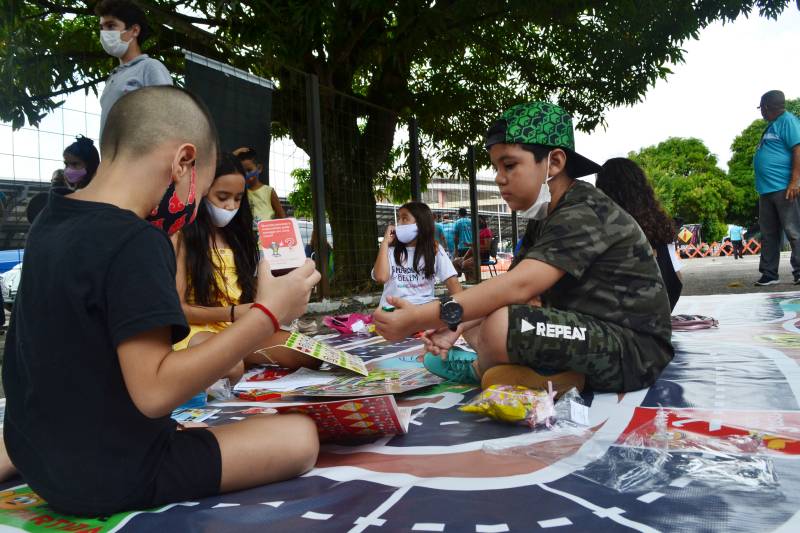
{"x":171,"y":214}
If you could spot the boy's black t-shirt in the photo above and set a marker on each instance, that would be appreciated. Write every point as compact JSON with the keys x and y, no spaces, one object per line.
{"x":93,"y":276}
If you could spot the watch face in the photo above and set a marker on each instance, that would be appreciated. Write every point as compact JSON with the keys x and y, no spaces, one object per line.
{"x":451,"y":312}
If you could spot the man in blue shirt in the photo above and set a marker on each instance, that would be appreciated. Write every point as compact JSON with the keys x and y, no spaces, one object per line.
{"x":449,"y":229}
{"x":463,"y":232}
{"x":736,"y":233}
{"x":777,"y":169}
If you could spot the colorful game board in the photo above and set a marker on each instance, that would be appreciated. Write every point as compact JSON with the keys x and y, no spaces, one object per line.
{"x":711,"y":447}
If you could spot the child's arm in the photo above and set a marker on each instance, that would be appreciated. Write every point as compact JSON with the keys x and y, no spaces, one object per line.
{"x":196,"y":314}
{"x":276,"y":205}
{"x":380,"y":271}
{"x":529,"y":279}
{"x":453,"y":285}
{"x":159,"y":379}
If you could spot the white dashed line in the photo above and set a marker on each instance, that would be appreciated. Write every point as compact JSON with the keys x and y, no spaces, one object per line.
{"x":555,"y":522}
{"x":681,"y":482}
{"x":363,"y":522}
{"x":649,"y":497}
{"x":449,"y":423}
{"x":222,"y":505}
{"x":237,"y":418}
{"x":491,"y":528}
{"x":311,"y":515}
{"x":272,"y":504}
{"x":426,"y":526}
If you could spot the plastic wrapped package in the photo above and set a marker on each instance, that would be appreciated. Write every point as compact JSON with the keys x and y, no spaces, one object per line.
{"x":656,"y":454}
{"x":221,"y":390}
{"x":515,"y":404}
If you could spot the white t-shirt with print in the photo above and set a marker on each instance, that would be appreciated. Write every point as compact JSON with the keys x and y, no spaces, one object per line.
{"x":412,"y":286}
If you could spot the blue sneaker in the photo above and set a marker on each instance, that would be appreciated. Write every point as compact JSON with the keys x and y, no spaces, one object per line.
{"x":458,"y":366}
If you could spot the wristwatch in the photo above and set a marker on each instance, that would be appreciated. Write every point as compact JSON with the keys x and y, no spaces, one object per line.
{"x":450,"y":312}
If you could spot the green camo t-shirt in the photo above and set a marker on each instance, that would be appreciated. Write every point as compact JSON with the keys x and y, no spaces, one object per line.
{"x":611,"y":273}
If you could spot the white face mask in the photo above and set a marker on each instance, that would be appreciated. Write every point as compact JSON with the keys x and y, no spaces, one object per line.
{"x":113,"y":44}
{"x":538,"y":210}
{"x":220,"y":217}
{"x":406,"y":233}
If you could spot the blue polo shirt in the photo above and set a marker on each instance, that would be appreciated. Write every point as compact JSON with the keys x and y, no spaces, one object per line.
{"x":736,"y":233}
{"x":449,"y":229}
{"x":772,"y":161}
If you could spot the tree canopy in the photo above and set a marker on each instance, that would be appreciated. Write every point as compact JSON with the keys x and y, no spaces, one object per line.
{"x":743,"y":207}
{"x":454,"y":64}
{"x":688,"y":183}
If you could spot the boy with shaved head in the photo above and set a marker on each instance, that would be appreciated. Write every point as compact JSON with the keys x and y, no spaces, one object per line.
{"x":102,"y":256}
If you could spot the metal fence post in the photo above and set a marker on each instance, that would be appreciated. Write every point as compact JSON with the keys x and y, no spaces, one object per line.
{"x":317,"y":180}
{"x":473,"y":206}
{"x":416,"y":186}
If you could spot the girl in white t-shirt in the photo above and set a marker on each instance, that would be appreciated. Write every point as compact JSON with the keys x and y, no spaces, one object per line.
{"x":410,"y":261}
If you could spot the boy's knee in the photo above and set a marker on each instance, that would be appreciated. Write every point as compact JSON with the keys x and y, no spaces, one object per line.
{"x":302,"y":433}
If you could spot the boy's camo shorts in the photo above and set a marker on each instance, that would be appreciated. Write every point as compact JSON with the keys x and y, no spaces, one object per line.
{"x":551,"y":340}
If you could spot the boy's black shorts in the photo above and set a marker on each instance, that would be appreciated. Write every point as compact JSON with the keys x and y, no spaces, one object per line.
{"x":613,"y":358}
{"x":191,"y":469}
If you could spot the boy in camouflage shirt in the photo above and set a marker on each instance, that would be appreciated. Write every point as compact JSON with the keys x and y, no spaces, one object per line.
{"x":584,"y":300}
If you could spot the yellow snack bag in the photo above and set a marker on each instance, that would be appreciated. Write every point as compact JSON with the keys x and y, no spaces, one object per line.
{"x":515,"y":404}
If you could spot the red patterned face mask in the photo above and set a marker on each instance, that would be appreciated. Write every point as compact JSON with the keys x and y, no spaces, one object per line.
{"x":171,"y":214}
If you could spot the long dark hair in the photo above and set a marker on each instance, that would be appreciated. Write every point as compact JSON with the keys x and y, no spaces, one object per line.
{"x":83,"y":148}
{"x":626,"y":183}
{"x":239,"y":236}
{"x":426,"y":241}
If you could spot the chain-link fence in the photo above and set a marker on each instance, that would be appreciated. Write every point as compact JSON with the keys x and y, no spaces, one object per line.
{"x":335,"y":161}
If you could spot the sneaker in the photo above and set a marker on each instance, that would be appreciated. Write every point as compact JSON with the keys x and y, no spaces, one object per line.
{"x":764,"y":281}
{"x":797,"y":279}
{"x":458,"y":366}
{"x":527,"y":377}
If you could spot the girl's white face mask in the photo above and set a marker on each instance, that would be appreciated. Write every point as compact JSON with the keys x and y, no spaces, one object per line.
{"x":538,"y":210}
{"x":406,"y":232}
{"x":112,"y":43}
{"x":220,"y":217}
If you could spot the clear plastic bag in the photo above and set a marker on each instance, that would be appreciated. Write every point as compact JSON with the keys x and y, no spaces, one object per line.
{"x":221,"y":390}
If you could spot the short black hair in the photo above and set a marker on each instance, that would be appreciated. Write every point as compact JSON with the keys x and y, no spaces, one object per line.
{"x":540,"y":151}
{"x":247,"y":154}
{"x":126,"y":11}
{"x":462,"y":211}
{"x":143,"y":119}
{"x":83,"y":148}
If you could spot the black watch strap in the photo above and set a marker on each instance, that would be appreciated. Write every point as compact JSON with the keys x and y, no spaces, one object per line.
{"x":450,"y":312}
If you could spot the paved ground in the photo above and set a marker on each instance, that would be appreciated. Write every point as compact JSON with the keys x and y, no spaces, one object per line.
{"x":708,"y":275}
{"x":725,"y":275}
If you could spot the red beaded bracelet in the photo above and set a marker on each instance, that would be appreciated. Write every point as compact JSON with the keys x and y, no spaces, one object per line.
{"x":267,"y":312}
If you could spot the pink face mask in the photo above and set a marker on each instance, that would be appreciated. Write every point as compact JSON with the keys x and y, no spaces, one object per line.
{"x":74,"y":175}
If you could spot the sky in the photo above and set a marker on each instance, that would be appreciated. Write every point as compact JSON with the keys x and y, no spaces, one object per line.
{"x":713,"y":95}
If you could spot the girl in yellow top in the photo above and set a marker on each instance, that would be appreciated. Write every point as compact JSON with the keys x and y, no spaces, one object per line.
{"x":217,"y":258}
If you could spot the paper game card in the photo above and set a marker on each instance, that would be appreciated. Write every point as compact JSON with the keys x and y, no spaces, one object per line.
{"x":281,"y":244}
{"x":320,"y":350}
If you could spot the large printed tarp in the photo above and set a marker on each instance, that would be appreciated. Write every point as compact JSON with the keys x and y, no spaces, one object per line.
{"x":726,"y":409}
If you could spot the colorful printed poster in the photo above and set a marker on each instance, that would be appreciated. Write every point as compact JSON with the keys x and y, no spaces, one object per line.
{"x":354,"y":418}
{"x":378,"y":382}
{"x":22,"y":509}
{"x":281,"y":243}
{"x":326,"y":353}
{"x":193,"y":414}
